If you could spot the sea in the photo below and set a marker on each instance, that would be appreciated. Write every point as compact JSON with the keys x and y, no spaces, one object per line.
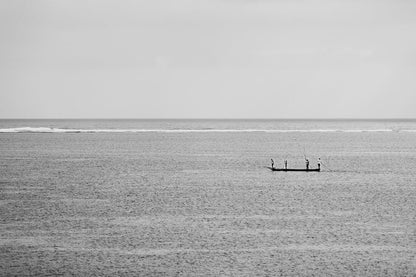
{"x":128,"y":197}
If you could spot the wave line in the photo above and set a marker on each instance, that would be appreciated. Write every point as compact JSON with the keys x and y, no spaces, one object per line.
{"x":67,"y":130}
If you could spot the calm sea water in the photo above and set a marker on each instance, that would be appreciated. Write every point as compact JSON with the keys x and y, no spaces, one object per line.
{"x":194,"y":198}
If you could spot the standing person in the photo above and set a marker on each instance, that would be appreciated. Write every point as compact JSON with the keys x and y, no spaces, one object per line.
{"x":285,"y":164}
{"x":307,"y":164}
{"x":319,"y":163}
{"x":272,"y":163}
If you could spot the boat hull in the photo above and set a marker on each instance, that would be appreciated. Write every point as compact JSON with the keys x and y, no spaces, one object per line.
{"x":295,"y":169}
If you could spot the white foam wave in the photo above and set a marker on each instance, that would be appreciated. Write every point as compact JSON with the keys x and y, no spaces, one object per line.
{"x":61,"y":130}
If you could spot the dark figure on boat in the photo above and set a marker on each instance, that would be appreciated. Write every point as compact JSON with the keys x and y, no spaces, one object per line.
{"x":307,"y":169}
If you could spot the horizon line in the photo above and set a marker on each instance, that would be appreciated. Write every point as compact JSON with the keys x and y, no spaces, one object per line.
{"x":211,"y":118}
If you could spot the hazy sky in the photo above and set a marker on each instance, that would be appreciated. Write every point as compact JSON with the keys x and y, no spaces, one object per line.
{"x":207,"y":58}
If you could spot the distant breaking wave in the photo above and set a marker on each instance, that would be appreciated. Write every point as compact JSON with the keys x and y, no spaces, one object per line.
{"x":62,"y":130}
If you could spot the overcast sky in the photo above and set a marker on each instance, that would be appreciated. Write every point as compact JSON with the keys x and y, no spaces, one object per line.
{"x":207,"y":59}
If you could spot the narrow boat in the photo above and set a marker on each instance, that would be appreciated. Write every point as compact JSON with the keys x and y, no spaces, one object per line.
{"x":295,"y":169}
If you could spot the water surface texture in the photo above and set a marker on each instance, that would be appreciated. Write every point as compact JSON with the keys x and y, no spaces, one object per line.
{"x":194,"y":198}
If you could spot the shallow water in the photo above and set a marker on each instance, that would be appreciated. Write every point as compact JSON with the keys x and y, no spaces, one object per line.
{"x":153,"y":203}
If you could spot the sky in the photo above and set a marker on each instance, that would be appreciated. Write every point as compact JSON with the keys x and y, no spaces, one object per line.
{"x":208,"y":59}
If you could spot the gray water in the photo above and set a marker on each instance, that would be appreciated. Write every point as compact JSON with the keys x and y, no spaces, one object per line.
{"x":203,"y":203}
